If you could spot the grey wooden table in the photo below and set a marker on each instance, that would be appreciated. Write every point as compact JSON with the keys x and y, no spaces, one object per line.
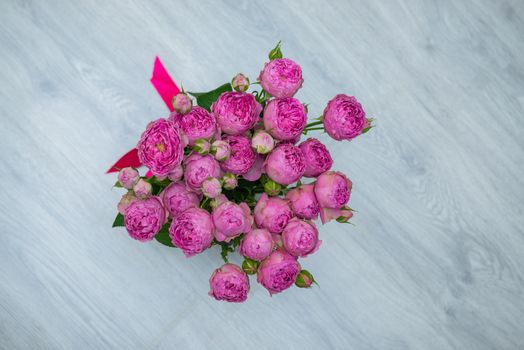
{"x":436,"y":259}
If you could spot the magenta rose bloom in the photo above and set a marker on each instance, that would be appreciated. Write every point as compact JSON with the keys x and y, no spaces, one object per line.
{"x":278,"y":271}
{"x":303,"y":202}
{"x":256,"y":170}
{"x":231,"y":220}
{"x":281,"y":77}
{"x":160,"y":147}
{"x":229,"y":283}
{"x":242,"y":155}
{"x":344,"y":118}
{"x":199,"y":168}
{"x":285,"y":118}
{"x":196,"y":124}
{"x":257,"y":244}
{"x":300,"y":238}
{"x":177,"y":198}
{"x":318,"y":159}
{"x":332,"y":189}
{"x":285,"y":164}
{"x":272,"y":213}
{"x":192,"y":231}
{"x":144,"y":218}
{"x":236,"y":112}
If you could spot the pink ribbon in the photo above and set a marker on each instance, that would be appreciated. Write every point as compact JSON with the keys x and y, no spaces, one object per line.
{"x":167,"y":89}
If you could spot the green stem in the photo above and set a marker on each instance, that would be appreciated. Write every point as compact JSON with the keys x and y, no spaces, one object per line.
{"x":314,"y":123}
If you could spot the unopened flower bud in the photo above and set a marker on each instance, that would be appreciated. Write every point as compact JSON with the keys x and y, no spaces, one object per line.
{"x":211,"y":187}
{"x":221,"y":150}
{"x":202,"y":146}
{"x":230,"y":181}
{"x":272,"y":188}
{"x":142,"y":189}
{"x":127,"y":177}
{"x":182,"y":103}
{"x":240,"y":83}
{"x":304,"y":279}
{"x":250,"y":266}
{"x":262,"y":142}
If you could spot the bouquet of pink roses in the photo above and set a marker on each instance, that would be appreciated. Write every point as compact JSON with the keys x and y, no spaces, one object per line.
{"x":231,"y":171}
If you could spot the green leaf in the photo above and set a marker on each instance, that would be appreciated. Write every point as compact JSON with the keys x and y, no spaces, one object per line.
{"x":275,"y":52}
{"x":163,"y":236}
{"x":366,"y":129}
{"x":119,"y":220}
{"x":206,"y":99}
{"x":117,"y":184}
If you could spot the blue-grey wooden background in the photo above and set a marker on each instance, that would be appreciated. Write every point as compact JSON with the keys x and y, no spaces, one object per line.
{"x":436,"y":259}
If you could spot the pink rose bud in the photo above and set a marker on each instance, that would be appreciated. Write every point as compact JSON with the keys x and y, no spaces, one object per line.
{"x":272,"y":188}
{"x":230,"y":181}
{"x":229,"y":283}
{"x":341,"y":215}
{"x":257,"y":244}
{"x":303,"y":202}
{"x":142,"y":189}
{"x":285,"y":164}
{"x":272,"y":213}
{"x":285,"y":118}
{"x":344,"y":118}
{"x":125,"y":201}
{"x":250,"y":266}
{"x":318,"y":159}
{"x":242,"y":155}
{"x":236,"y":112}
{"x":160,"y":147}
{"x":202,"y":146}
{"x":300,"y":238}
{"x":128,"y":177}
{"x":198,"y":168}
{"x":176,"y":174}
{"x":177,"y":198}
{"x":182,"y":103}
{"x":143,"y":219}
{"x":231,"y":220}
{"x":304,"y":279}
{"x":192,"y":231}
{"x":221,"y":150}
{"x":211,"y":187}
{"x":197,"y":124}
{"x":262,"y":142}
{"x":281,"y":77}
{"x":240,"y":83}
{"x":278,"y":271}
{"x":332,"y":189}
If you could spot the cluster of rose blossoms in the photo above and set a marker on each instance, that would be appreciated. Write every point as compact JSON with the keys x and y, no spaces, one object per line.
{"x":232,"y":176}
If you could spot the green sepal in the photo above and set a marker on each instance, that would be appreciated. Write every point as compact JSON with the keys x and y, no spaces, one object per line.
{"x":275,"y":52}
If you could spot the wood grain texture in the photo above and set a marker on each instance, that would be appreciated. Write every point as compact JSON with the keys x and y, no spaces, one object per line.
{"x":435,"y":260}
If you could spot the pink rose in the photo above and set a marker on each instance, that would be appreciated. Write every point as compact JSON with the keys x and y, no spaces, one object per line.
{"x":285,"y":118}
{"x":341,"y":215}
{"x":192,"y":231}
{"x":332,"y":189}
{"x":128,"y":177}
{"x":285,"y":164}
{"x":197,"y":124}
{"x":198,"y":168}
{"x":257,"y":244}
{"x":177,"y":198}
{"x":272,"y":213}
{"x":182,"y":103}
{"x":281,"y":77}
{"x":240,"y":83}
{"x":231,"y":220}
{"x":278,"y":271}
{"x":344,"y":118}
{"x":318,"y":159}
{"x":125,"y":201}
{"x":160,"y":147}
{"x":144,"y":218}
{"x":176,"y":174}
{"x":303,"y":202}
{"x":142,"y":189}
{"x":262,"y":142}
{"x":242,"y":155}
{"x":300,"y":238}
{"x":229,"y":283}
{"x":211,"y":187}
{"x":236,"y":112}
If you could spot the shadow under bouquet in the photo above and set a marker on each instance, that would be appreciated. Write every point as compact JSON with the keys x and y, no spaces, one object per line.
{"x":228,"y":168}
